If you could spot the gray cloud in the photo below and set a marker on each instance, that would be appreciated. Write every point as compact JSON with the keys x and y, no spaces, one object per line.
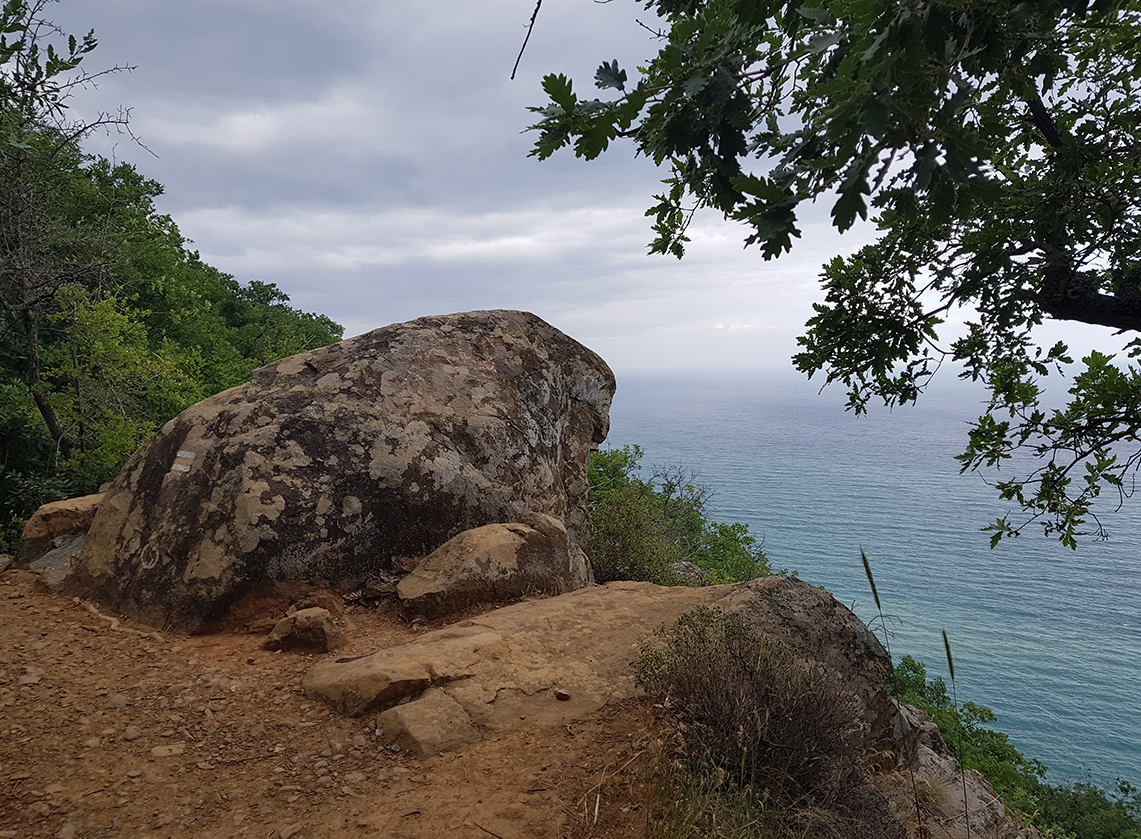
{"x":371,"y":160}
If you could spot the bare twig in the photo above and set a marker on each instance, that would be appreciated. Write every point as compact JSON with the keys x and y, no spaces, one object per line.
{"x":485,"y":830}
{"x":530,"y":26}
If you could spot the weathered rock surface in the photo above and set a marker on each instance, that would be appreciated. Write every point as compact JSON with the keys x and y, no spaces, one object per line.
{"x":496,"y":563}
{"x":433,"y":724}
{"x":313,"y":630}
{"x":553,"y":661}
{"x":54,"y":534}
{"x":333,"y":464}
{"x":511,"y":663}
{"x":946,"y":798}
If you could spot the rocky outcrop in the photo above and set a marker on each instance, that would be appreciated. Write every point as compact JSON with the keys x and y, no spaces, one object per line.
{"x":934,"y":798}
{"x":496,"y":563}
{"x":554,"y":661}
{"x":336,"y":464}
{"x":512,"y":664}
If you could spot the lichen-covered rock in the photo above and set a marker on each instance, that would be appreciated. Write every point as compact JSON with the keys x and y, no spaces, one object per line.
{"x":333,"y":464}
{"x":496,"y":563}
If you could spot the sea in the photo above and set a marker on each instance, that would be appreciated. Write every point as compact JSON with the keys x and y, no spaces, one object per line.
{"x":1047,"y":637}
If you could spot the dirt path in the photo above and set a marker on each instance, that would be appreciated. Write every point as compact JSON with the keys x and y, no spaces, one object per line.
{"x":110,"y":730}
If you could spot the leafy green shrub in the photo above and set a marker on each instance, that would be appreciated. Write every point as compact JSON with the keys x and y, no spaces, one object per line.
{"x":640,"y":529}
{"x":777,"y":733}
{"x":1074,"y":811}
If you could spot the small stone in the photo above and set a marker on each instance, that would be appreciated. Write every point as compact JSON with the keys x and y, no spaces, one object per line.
{"x":68,"y":831}
{"x":312,"y":629}
{"x":132,"y":733}
{"x":28,"y":679}
{"x":169,"y":751}
{"x":289,"y":830}
{"x":93,"y":743}
{"x":562,"y":695}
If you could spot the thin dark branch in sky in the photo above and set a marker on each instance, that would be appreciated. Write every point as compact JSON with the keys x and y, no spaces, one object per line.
{"x":530,"y":26}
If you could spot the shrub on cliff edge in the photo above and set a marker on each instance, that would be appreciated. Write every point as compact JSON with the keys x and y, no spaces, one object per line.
{"x":640,"y":529}
{"x":766,"y":743}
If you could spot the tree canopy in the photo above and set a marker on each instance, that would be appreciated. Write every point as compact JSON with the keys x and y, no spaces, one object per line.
{"x":995,"y":144}
{"x":109,"y":324}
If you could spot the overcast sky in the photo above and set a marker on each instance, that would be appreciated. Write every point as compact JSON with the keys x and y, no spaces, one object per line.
{"x":370,"y":159}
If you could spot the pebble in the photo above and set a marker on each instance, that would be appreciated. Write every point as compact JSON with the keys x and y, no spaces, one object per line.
{"x":289,"y":830}
{"x":169,"y":751}
{"x":93,"y":743}
{"x":562,"y":695}
{"x":132,"y":733}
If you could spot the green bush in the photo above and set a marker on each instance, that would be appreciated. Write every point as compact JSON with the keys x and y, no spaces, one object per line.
{"x":1073,"y":811}
{"x":640,"y":529}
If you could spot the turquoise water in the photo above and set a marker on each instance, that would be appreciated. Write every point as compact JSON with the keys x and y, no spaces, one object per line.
{"x":1048,"y":638}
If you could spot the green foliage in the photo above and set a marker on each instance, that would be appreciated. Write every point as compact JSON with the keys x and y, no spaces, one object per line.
{"x":640,"y":529}
{"x":995,"y":145}
{"x":765,"y":738}
{"x":109,"y":326}
{"x":1081,"y":811}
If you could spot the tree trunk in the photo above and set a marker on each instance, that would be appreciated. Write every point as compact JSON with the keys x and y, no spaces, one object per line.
{"x":32,"y":332}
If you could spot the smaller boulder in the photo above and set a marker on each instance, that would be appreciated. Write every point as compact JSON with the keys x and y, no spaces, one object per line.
{"x":54,"y":534}
{"x":310,"y":630}
{"x":430,"y":725}
{"x":496,"y":563}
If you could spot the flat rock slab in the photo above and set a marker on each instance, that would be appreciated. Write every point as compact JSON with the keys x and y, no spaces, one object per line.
{"x":554,"y":660}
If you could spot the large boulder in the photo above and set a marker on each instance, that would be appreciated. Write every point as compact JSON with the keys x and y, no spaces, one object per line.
{"x":340,"y":464}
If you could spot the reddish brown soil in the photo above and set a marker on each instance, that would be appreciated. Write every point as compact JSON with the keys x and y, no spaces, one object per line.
{"x":107,"y":730}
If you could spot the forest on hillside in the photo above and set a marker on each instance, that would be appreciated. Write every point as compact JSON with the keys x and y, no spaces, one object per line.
{"x":110,"y":323}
